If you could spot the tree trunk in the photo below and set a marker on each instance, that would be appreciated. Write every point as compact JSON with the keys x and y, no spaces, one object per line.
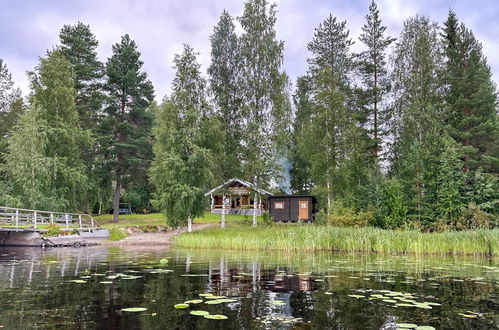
{"x":223,"y":212}
{"x":116,"y":199}
{"x":254,"y":210}
{"x":189,"y":224}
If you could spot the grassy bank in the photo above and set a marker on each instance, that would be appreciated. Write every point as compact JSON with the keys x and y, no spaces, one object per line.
{"x":315,"y":238}
{"x":158,"y":219}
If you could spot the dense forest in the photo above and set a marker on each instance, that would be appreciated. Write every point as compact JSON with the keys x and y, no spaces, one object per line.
{"x":401,"y":135}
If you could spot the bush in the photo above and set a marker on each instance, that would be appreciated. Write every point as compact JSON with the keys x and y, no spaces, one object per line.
{"x":53,"y":231}
{"x":361,"y":219}
{"x":474,"y":218}
{"x":116,"y":234}
{"x":321,"y":218}
{"x":267,"y":219}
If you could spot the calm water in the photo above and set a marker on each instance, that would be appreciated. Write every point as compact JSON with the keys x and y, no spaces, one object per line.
{"x":63,"y":289}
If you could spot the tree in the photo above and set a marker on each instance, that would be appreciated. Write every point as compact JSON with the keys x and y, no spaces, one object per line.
{"x":416,"y":125}
{"x":225,"y":78}
{"x":265,"y":104}
{"x":187,"y":143}
{"x":79,"y":45}
{"x":125,"y":132}
{"x":471,"y":98}
{"x":44,"y":163}
{"x":330,"y":119}
{"x":373,"y":70}
{"x":11,"y":106}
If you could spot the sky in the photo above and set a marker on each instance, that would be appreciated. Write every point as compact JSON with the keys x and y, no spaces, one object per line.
{"x":28,"y":28}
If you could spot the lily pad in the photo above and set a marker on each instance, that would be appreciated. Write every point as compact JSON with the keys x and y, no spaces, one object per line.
{"x":78,"y":281}
{"x":195,"y":301}
{"x":215,"y":297}
{"x":425,"y":327}
{"x":213,"y":302}
{"x":180,"y":306}
{"x":106,"y":282}
{"x":216,"y":317}
{"x":206,"y":294}
{"x":469,"y":316}
{"x":407,"y":325}
{"x":134,"y":309}
{"x":199,"y":313}
{"x":163,"y":261}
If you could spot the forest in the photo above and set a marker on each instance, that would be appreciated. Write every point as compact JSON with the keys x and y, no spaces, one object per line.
{"x":400,"y":135}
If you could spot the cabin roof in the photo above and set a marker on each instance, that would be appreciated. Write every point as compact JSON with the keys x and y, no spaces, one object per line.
{"x":242,"y":182}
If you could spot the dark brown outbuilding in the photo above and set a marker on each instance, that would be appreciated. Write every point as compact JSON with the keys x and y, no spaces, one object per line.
{"x":292,"y":208}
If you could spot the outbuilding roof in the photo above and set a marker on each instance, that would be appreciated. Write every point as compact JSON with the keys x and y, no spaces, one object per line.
{"x":244,"y":183}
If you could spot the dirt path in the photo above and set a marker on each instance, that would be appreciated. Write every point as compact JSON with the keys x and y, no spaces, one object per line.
{"x":155,"y":238}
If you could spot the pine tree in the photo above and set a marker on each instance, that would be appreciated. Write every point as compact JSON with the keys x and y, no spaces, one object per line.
{"x":373,"y":70}
{"x":79,"y":45}
{"x":187,"y":143}
{"x":125,"y":133}
{"x":265,"y":100}
{"x":471,"y":98}
{"x":44,"y":163}
{"x":225,"y":77}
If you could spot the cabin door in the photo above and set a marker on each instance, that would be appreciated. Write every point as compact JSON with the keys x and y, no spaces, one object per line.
{"x":303,"y":210}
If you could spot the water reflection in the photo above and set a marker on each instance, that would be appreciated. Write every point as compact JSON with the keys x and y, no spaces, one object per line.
{"x":268,"y":290}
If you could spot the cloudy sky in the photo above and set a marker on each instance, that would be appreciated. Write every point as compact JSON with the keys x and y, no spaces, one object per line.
{"x":29,"y":27}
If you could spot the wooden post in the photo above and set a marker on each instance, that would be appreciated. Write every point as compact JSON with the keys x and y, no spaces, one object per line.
{"x":189,"y":224}
{"x":79,"y":220}
{"x":92,"y":222}
{"x":34,"y":219}
{"x":66,"y":216}
{"x":17,"y":218}
{"x":52,"y":219}
{"x":254,"y":209}
{"x":223,"y":212}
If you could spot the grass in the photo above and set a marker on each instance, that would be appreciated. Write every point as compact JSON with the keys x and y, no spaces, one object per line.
{"x":158,"y":219}
{"x":115,"y":234}
{"x":326,"y":238}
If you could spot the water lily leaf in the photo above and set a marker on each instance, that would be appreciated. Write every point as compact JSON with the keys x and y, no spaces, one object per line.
{"x":278,"y":302}
{"x":425,"y":327}
{"x":213,"y":302}
{"x":215,"y":297}
{"x":469,"y":316}
{"x":407,"y":325}
{"x":199,"y":313}
{"x":134,"y":309}
{"x":163,"y":261}
{"x":180,"y":306}
{"x":78,"y":281}
{"x":356,"y":296}
{"x":216,"y":317}
{"x":206,"y":294}
{"x":106,"y":282}
{"x":195,"y":301}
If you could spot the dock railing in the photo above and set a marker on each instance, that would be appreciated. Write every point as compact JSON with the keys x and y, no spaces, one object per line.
{"x":38,"y":219}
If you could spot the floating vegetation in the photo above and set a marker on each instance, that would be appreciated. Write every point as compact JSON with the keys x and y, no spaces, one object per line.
{"x":278,"y":302}
{"x":106,"y":282}
{"x":469,"y":316}
{"x":163,"y":261}
{"x":199,"y":313}
{"x":195,"y":301}
{"x":216,"y":317}
{"x":78,"y":281}
{"x":181,"y":306}
{"x":214,"y":297}
{"x":134,"y":309}
{"x":206,"y":295}
{"x":406,"y":325}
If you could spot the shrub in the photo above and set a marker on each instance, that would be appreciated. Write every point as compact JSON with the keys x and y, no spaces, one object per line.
{"x":52,"y":231}
{"x":361,"y":219}
{"x":267,"y":219}
{"x":321,"y":218}
{"x":116,"y":234}
{"x":474,"y":218}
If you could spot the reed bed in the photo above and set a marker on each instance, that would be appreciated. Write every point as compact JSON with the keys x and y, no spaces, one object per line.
{"x":326,"y":238}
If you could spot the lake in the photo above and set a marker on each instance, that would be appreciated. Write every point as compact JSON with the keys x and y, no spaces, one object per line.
{"x":93,"y":288}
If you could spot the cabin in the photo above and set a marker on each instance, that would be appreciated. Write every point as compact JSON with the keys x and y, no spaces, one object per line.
{"x":236,"y":196}
{"x":292,"y":208}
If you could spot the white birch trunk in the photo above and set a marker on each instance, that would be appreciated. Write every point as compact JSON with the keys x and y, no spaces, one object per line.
{"x":255,"y":206}
{"x":223,"y":212}
{"x":189,"y":224}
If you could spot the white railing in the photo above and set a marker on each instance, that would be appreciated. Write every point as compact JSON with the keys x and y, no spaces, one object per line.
{"x":37,"y":219}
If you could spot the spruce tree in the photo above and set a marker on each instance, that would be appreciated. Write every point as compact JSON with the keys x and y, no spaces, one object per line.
{"x":471,"y":98}
{"x":225,"y":77}
{"x":188,"y":141}
{"x":125,"y":132}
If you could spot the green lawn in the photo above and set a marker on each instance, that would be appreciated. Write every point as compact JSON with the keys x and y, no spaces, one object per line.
{"x":158,"y":219}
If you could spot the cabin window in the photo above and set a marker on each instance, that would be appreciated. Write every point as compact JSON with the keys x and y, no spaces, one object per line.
{"x":303,"y":205}
{"x":279,"y":205}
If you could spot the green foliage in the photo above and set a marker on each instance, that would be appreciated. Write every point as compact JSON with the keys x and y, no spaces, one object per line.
{"x":321,"y":218}
{"x":52,"y":231}
{"x":267,"y":219}
{"x":125,"y":129}
{"x":187,"y":143}
{"x":116,"y":234}
{"x":393,"y":207}
{"x":327,"y":238}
